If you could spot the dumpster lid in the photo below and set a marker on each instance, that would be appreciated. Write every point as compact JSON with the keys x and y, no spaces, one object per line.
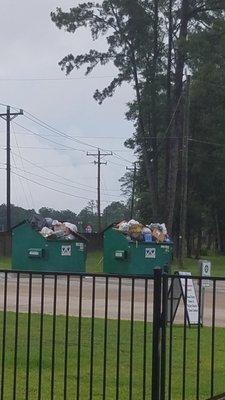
{"x":75,"y":234}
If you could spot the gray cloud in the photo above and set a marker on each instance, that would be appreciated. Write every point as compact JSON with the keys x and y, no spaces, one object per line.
{"x":31,"y":47}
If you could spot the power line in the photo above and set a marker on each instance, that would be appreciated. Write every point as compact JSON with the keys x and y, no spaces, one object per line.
{"x":52,"y":173}
{"x":21,"y":160}
{"x":117,"y":164}
{"x":49,"y":140}
{"x":63,"y":134}
{"x":57,"y":175}
{"x":53,"y":189}
{"x":47,"y":126}
{"x":21,"y":183}
{"x":56,"y":79}
{"x":61,"y":183}
{"x":206,"y":142}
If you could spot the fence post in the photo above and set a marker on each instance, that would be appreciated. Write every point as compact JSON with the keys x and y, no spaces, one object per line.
{"x":163,"y":336}
{"x":157,"y":297}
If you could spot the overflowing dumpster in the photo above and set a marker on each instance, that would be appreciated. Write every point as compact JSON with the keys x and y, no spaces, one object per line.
{"x":31,"y":251}
{"x":126,"y":256}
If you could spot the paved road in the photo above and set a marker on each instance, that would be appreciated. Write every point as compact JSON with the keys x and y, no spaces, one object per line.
{"x":99,"y":310}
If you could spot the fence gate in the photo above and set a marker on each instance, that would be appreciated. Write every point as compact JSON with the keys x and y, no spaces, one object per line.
{"x":188,"y":338}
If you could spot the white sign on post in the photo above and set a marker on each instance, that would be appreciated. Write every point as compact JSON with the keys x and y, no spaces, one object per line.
{"x":189,"y":294}
{"x":183,"y":288}
{"x":205,"y":271}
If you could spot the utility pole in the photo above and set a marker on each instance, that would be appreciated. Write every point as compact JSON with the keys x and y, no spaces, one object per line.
{"x":184,"y":173}
{"x":99,"y":163}
{"x":8,"y":117}
{"x":133,"y":188}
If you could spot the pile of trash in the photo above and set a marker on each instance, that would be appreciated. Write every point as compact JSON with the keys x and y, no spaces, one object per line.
{"x":136,"y":231}
{"x":53,"y":229}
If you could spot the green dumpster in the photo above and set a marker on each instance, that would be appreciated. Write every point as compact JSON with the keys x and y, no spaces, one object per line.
{"x":126,"y":257}
{"x":32,"y":252}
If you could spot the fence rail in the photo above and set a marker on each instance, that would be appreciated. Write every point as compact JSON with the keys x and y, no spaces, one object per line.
{"x":189,"y":343}
{"x":110,"y":337}
{"x":80,"y":336}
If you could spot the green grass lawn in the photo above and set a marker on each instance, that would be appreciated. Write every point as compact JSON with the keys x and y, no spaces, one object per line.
{"x":85,"y":349}
{"x":191,"y":265}
{"x":5,"y":262}
{"x":95,"y":264}
{"x":95,"y":261}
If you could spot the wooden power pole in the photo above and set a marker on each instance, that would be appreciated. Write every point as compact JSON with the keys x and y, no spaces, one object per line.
{"x":8,"y":117}
{"x":99,"y":163}
{"x":133,"y":188}
{"x":184,"y":174}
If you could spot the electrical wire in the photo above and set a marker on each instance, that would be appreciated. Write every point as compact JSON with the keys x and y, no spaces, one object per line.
{"x":117,"y":164}
{"x":55,"y":190}
{"x":69,"y":137}
{"x":56,"y":79}
{"x":49,"y":140}
{"x":47,"y":126}
{"x":54,"y":174}
{"x":206,"y":142}
{"x":62,"y":183}
{"x":15,"y":189}
{"x":21,"y":160}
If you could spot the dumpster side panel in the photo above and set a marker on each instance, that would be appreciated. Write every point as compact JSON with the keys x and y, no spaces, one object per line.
{"x":23,"y":239}
{"x":140,"y":258}
{"x":30,"y":251}
{"x":115,"y":241}
{"x":147,"y":256}
{"x":67,"y":256}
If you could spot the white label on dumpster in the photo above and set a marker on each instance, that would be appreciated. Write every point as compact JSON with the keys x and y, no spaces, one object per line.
{"x":34,"y":253}
{"x":150,"y":253}
{"x":81,"y":246}
{"x":66,"y":250}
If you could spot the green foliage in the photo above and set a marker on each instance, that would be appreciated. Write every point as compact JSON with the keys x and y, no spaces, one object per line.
{"x":63,"y":215}
{"x":18,"y":214}
{"x":128,"y":29}
{"x":136,"y":43}
{"x":116,"y":211}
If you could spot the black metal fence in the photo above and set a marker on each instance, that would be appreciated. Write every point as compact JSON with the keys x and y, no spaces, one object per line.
{"x":67,"y":336}
{"x":188,"y":337}
{"x":87,"y":336}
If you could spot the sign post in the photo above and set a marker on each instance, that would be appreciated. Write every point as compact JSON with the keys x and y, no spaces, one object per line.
{"x":205,"y":271}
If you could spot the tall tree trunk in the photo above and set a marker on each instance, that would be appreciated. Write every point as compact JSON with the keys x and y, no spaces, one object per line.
{"x":153,"y":78}
{"x":177,"y":124}
{"x":218,"y":239}
{"x":189,"y":241}
{"x":209,"y":240}
{"x":147,"y":158}
{"x":168,"y":90}
{"x":149,"y":165}
{"x":199,"y":244}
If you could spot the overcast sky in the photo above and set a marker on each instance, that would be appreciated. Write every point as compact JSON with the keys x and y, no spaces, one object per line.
{"x":31,"y":47}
